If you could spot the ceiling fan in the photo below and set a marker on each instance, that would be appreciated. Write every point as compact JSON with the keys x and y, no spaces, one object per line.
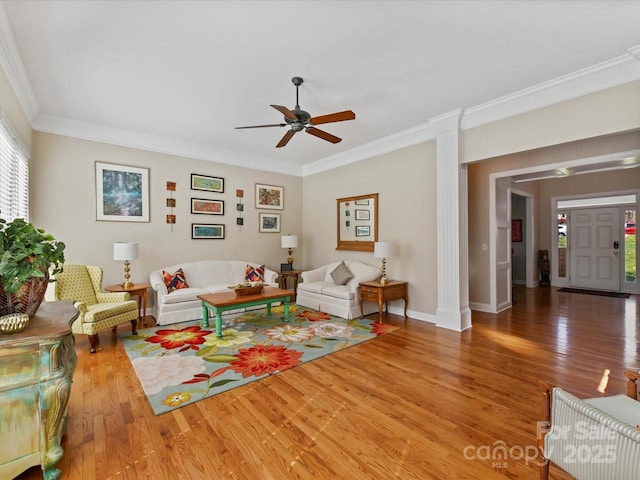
{"x":300,"y":120}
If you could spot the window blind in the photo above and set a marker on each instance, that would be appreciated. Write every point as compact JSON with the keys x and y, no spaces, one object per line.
{"x":14,"y":174}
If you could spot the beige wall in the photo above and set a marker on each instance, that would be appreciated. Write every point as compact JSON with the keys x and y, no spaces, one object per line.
{"x":11,"y":107}
{"x":63,"y":202}
{"x":597,"y":114}
{"x":406,"y":183}
{"x":479,"y":194}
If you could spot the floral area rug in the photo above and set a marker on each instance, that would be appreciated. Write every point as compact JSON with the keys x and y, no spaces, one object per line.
{"x":182,"y":363}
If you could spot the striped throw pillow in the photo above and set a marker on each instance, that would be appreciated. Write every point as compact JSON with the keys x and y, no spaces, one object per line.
{"x":254,"y":274}
{"x":175,"y":281}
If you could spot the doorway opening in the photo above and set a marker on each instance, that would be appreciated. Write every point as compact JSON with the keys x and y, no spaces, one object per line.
{"x":595,"y":242}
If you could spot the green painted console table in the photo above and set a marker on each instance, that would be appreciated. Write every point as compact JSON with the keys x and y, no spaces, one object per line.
{"x":225,"y":301}
{"x":36,"y":370}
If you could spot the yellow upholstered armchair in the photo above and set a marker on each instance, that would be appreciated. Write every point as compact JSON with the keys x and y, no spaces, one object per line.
{"x":99,"y":310}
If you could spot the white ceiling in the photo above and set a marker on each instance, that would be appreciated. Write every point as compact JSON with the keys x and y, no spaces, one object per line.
{"x":178,"y":76}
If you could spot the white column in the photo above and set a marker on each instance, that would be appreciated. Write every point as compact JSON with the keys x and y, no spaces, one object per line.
{"x":453,"y":263}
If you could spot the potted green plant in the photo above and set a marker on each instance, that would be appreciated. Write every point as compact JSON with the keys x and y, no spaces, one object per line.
{"x":28,"y":256}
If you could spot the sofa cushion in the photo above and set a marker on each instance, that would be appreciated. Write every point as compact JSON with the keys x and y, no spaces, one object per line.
{"x":183,"y":295}
{"x":217,"y":288}
{"x":341,"y":274}
{"x":362,"y":273}
{"x":254,"y":274}
{"x":314,"y":287}
{"x":175,"y":281}
{"x":338,"y":291}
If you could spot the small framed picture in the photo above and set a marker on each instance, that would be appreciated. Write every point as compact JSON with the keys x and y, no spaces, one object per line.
{"x":171,"y":202}
{"x":516,"y":230}
{"x":362,"y":202}
{"x":269,"y":222}
{"x":207,"y":207}
{"x":269,"y":196}
{"x":363,"y":215}
{"x":363,"y":231}
{"x":207,"y":231}
{"x":207,"y":183}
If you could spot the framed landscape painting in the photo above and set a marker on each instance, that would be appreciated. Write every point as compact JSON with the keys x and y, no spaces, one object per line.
{"x":122,"y":193}
{"x":207,"y":183}
{"x":269,"y":196}
{"x":207,"y":231}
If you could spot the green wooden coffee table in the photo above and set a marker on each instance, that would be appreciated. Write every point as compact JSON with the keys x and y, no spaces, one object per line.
{"x":225,"y":301}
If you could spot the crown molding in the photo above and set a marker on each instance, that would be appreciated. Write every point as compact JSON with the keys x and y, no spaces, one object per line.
{"x":11,"y":63}
{"x":153,"y":143}
{"x":604,"y":75}
{"x":420,"y":134}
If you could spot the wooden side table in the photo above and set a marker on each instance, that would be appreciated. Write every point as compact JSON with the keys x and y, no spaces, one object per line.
{"x":136,"y":290}
{"x":375,"y":292}
{"x":294,"y":275}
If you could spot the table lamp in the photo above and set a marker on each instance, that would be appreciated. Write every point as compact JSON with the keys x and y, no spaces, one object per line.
{"x":290,"y":242}
{"x":125,"y":251}
{"x":383,"y":250}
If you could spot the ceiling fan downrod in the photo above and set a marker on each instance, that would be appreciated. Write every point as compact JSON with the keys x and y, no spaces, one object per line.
{"x":297,"y":81}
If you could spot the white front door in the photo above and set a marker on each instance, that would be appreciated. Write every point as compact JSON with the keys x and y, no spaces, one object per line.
{"x":595,"y":248}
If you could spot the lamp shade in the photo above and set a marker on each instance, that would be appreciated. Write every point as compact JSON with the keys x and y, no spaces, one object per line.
{"x":125,"y":251}
{"x":289,"y":241}
{"x":383,"y":250}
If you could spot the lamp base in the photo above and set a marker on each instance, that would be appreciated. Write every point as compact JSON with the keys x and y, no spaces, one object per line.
{"x":383,"y":277}
{"x":126,"y":285}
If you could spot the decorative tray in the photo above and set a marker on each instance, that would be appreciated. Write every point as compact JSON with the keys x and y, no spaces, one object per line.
{"x":242,"y":291}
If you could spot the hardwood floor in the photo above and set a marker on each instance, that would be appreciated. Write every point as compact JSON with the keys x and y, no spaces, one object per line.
{"x":418,"y":403}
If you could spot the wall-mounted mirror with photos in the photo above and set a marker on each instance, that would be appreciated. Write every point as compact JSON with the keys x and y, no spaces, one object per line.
{"x":357,"y":222}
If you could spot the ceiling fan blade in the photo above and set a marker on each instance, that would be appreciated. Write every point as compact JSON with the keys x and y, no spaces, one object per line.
{"x":286,"y":112}
{"x":333,"y":117}
{"x":284,"y":140}
{"x":263,"y":126}
{"x":323,"y":135}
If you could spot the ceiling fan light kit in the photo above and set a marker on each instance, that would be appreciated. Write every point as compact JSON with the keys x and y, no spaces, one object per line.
{"x":300,"y":120}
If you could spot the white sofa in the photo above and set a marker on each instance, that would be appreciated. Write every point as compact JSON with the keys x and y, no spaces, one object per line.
{"x":318,"y":290}
{"x":206,"y":276}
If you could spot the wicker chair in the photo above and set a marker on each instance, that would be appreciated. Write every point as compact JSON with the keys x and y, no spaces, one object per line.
{"x":591,"y":439}
{"x":99,"y":310}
